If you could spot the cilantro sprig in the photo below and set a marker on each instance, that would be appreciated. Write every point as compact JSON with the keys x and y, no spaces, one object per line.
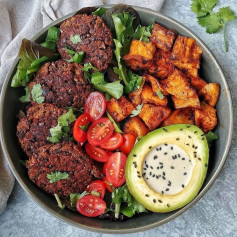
{"x":56,"y":176}
{"x":213,"y":21}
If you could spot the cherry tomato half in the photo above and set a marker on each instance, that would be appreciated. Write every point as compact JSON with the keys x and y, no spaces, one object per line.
{"x":104,"y":168}
{"x":108,"y":185}
{"x":128,"y":143}
{"x":115,"y":171}
{"x":97,"y":186}
{"x":91,"y":206}
{"x":113,"y":143}
{"x":100,"y":131}
{"x":97,"y":153}
{"x":95,"y":105}
{"x":80,"y":127}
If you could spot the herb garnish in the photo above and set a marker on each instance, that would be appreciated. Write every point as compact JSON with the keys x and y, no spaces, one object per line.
{"x":51,"y":38}
{"x":211,"y":20}
{"x":75,"y":39}
{"x":116,"y":125}
{"x":160,"y":94}
{"x":25,"y":98}
{"x":143,"y":33}
{"x":56,"y":176}
{"x":37,"y":94}
{"x":100,"y":11}
{"x":59,"y":201}
{"x":136,"y":111}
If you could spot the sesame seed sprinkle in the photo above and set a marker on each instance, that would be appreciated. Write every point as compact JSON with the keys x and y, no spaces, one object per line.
{"x":150,"y":147}
{"x":182,"y":185}
{"x":134,"y":155}
{"x":154,"y":200}
{"x":206,"y":165}
{"x":147,"y":195}
{"x":160,"y":201}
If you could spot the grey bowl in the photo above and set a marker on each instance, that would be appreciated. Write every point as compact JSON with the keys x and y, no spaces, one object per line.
{"x":10,"y":106}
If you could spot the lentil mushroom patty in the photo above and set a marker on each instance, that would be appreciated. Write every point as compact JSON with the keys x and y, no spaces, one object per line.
{"x":33,"y":129}
{"x":63,"y":84}
{"x":95,"y":39}
{"x":62,"y":157}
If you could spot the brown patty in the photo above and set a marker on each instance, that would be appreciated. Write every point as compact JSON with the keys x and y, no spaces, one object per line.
{"x":63,"y":84}
{"x":96,"y":39}
{"x":33,"y":130}
{"x":62,"y":157}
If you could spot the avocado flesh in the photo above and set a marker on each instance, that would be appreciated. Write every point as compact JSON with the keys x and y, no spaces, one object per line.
{"x":189,"y":138}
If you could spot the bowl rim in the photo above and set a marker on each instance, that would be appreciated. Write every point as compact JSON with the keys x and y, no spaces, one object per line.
{"x":135,"y":229}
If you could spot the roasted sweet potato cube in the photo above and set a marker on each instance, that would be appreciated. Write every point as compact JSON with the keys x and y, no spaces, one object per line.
{"x":155,"y":85}
{"x":154,"y":115}
{"x":178,"y":84}
{"x":149,"y":97}
{"x":136,"y":95}
{"x":135,"y":127}
{"x":205,"y":117}
{"x":162,"y":37}
{"x":186,"y":53}
{"x":197,"y":82}
{"x":140,"y":55}
{"x":189,"y":102}
{"x":180,"y":116}
{"x":191,"y":72}
{"x":162,"y":66}
{"x":119,"y":109}
{"x":210,"y":93}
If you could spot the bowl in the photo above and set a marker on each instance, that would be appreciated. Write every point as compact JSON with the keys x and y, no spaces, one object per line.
{"x":10,"y":106}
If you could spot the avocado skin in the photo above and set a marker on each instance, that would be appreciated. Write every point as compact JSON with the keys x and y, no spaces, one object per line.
{"x":140,"y":190}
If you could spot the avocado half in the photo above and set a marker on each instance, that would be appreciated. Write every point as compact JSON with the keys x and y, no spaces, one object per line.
{"x":163,"y":148}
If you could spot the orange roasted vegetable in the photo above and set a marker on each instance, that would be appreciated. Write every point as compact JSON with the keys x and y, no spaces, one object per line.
{"x":192,"y":101}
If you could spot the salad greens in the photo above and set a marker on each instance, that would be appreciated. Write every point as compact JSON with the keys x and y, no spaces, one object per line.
{"x":51,"y":38}
{"x":213,"y":21}
{"x":100,"y":11}
{"x":62,"y":129}
{"x":56,"y":176}
{"x":37,"y":94}
{"x":116,"y":125}
{"x":76,"y":57}
{"x":74,"y":197}
{"x":136,"y":111}
{"x":143,"y":33}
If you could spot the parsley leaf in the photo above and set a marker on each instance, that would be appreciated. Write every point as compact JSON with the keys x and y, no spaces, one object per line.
{"x":136,"y":111}
{"x":100,"y":11}
{"x":56,"y":176}
{"x":37,"y":94}
{"x":75,"y":39}
{"x":62,"y":129}
{"x":25,"y":98}
{"x":160,"y":94}
{"x":213,"y":21}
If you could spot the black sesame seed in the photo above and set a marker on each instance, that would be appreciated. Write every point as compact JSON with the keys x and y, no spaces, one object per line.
{"x":180,"y":129}
{"x":179,"y":155}
{"x":163,"y":173}
{"x":150,"y":173}
{"x":195,"y":131}
{"x":189,"y":160}
{"x":162,"y":192}
{"x":138,"y":172}
{"x":169,"y":183}
{"x":183,"y":158}
{"x":143,"y":174}
{"x":172,"y":167}
{"x":147,"y":195}
{"x":134,"y":162}
{"x":155,"y":157}
{"x":161,"y":167}
{"x":182,"y":185}
{"x":146,"y":178}
{"x":153,"y":175}
{"x":161,"y":163}
{"x":135,"y":166}
{"x":151,"y":167}
{"x":139,"y":176}
{"x":203,"y":138}
{"x":168,"y":205}
{"x":206,"y":165}
{"x":199,"y":158}
{"x":154,"y":200}
{"x":177,"y":139}
{"x":195,"y":156}
{"x":189,"y":136}
{"x":185,"y":173}
{"x":188,"y":126}
{"x":145,"y":161}
{"x":150,"y":147}
{"x":165,"y":130}
{"x":158,"y":167}
{"x":166,"y":144}
{"x":171,"y":148}
{"x":134,"y":155}
{"x":160,"y":201}
{"x":193,"y":146}
{"x":157,"y":177}
{"x":145,"y":168}
{"x":167,"y":190}
{"x":187,"y":144}
{"x":163,"y":177}
{"x":165,"y":153}
{"x":196,"y":147}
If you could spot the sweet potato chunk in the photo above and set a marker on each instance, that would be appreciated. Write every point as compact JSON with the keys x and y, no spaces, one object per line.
{"x":189,"y":102}
{"x":186,"y":53}
{"x":149,"y":97}
{"x":210,"y":93}
{"x":162,"y":37}
{"x":180,"y":116}
{"x":155,"y":85}
{"x":197,"y":82}
{"x":136,"y":95}
{"x":162,"y":66}
{"x":140,"y":55}
{"x":205,"y":117}
{"x":154,"y":115}
{"x":178,"y":84}
{"x":135,"y":127}
{"x":119,"y":109}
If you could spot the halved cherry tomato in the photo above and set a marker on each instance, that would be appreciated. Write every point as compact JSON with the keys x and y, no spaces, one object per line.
{"x":128,"y":143}
{"x":115,"y":171}
{"x":114,"y":142}
{"x":91,"y":206}
{"x":104,"y":168}
{"x":100,"y":131}
{"x":95,"y":105}
{"x":80,"y":127}
{"x":97,"y":186}
{"x":108,"y":185}
{"x":97,"y":153}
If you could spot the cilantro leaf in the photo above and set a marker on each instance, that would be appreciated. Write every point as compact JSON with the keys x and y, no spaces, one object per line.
{"x":226,"y":14}
{"x":203,"y":7}
{"x":62,"y":129}
{"x":59,"y":201}
{"x":210,"y":136}
{"x":136,"y":111}
{"x":84,"y":127}
{"x":113,"y":88}
{"x":25,"y":98}
{"x":75,"y":39}
{"x":77,"y":57}
{"x":116,"y":126}
{"x":211,"y":22}
{"x":37,"y":94}
{"x":160,"y":94}
{"x":23,"y":162}
{"x":143,"y":33}
{"x":56,"y":176}
{"x":100,"y":11}
{"x":74,"y":197}
{"x":134,"y":82}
